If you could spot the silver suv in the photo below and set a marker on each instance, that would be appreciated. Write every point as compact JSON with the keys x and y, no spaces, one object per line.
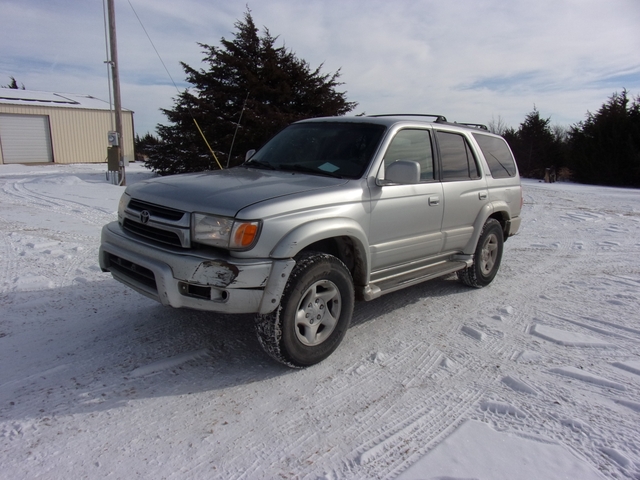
{"x":330,"y":210}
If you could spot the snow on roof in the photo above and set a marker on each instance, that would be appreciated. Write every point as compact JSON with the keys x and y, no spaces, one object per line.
{"x":13,"y":96}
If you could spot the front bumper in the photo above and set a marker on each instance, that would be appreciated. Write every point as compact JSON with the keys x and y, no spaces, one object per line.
{"x":185,"y":278}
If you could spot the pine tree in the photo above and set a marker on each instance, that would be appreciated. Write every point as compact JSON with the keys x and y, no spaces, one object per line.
{"x":534,"y":145}
{"x":14,"y":84}
{"x":605,"y":148}
{"x":247,"y":77}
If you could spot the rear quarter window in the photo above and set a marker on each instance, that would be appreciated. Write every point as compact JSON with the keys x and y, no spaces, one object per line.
{"x":498,"y":155}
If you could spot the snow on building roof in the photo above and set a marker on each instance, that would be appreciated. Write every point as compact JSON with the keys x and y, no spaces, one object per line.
{"x":13,"y":96}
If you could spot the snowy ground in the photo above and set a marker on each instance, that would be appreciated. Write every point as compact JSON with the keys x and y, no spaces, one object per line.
{"x":535,"y":376}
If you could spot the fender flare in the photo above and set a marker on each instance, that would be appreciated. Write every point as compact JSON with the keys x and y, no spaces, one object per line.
{"x":488,"y":211}
{"x":314,"y":231}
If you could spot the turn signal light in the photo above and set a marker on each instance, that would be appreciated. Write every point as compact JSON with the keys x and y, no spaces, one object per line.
{"x":245,"y":234}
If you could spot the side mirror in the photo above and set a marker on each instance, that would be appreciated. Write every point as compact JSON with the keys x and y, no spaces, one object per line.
{"x":249,"y":154}
{"x":403,"y":172}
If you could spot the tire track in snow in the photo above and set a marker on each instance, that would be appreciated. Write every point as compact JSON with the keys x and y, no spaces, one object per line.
{"x":553,"y":263}
{"x":72,"y":263}
{"x":8,"y":256}
{"x":576,"y":414}
{"x":400,"y":440}
{"x":583,"y":295}
{"x":394,"y":413}
{"x":405,"y":442}
{"x":21,"y":192}
{"x":354,"y":390}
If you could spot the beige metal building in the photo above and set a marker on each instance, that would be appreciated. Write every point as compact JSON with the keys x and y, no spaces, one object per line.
{"x":46,"y":127}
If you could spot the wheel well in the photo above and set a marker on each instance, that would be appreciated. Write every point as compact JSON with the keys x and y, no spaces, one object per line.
{"x":503,"y":218}
{"x":343,"y":248}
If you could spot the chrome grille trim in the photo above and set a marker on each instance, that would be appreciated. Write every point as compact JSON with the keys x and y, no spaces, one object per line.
{"x":160,"y":224}
{"x":156,"y":210}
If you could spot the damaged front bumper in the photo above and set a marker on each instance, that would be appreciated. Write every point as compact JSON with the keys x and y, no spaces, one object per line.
{"x":192,"y":279}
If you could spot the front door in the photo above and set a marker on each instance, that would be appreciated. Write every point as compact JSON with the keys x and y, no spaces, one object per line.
{"x":406,"y":219}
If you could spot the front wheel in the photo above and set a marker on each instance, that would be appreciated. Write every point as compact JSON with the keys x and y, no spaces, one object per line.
{"x":314,"y":314}
{"x":487,"y":257}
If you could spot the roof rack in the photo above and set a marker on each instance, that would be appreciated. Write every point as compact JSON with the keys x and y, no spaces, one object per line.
{"x":475,"y":125}
{"x":438,"y":118}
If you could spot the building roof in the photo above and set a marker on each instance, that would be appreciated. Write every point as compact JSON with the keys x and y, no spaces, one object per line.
{"x":13,"y":96}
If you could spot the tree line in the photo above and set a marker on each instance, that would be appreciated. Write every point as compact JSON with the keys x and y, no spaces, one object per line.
{"x":604,"y":149}
{"x":251,"y":89}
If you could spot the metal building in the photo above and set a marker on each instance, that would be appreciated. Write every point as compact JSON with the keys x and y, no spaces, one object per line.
{"x":47,"y":127}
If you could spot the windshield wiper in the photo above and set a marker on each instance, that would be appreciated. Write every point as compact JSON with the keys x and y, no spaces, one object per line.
{"x":259,"y":164}
{"x":296,"y":167}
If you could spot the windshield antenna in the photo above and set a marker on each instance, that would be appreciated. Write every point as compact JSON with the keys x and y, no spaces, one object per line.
{"x":237,"y":126}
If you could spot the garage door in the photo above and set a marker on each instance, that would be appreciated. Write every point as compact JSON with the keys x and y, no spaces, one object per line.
{"x":25,"y":138}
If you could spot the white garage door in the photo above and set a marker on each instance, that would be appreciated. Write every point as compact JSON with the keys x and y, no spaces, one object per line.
{"x":25,"y":138}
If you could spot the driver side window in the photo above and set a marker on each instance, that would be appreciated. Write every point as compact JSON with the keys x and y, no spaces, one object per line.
{"x":413,"y":145}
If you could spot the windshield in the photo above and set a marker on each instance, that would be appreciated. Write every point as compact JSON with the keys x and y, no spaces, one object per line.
{"x":323,"y":148}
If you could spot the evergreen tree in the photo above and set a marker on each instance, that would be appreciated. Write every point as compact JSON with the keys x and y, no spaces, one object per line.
{"x":534,"y":145}
{"x":605,"y":148}
{"x":14,"y":84}
{"x":247,"y":77}
{"x":145,"y":146}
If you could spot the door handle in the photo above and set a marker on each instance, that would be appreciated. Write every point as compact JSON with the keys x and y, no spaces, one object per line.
{"x":483,"y":195}
{"x":434,"y":200}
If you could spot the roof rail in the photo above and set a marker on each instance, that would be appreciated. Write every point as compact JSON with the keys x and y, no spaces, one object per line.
{"x":475,"y":125}
{"x":438,"y":118}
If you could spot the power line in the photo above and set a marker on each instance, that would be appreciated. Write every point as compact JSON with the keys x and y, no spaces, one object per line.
{"x":174,"y":84}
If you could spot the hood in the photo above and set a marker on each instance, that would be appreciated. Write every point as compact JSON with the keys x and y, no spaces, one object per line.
{"x":226,"y":192}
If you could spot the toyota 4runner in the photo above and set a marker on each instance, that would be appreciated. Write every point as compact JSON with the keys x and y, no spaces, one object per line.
{"x":329,"y":211}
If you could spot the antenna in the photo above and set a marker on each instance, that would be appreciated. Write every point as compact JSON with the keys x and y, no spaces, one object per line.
{"x":236,"y":131}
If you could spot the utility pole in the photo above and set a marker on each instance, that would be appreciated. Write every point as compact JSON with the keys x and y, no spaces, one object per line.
{"x":115,"y":76}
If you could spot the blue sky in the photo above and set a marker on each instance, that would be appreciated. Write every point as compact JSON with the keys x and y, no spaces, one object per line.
{"x":470,"y":60}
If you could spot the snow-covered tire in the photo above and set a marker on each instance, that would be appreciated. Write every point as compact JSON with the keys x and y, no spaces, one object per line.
{"x":487,"y":257}
{"x":313,"y":315}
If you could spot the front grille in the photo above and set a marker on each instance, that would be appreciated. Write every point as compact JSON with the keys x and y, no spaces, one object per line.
{"x":155,"y":210}
{"x":135,"y":272}
{"x":152,"y":233}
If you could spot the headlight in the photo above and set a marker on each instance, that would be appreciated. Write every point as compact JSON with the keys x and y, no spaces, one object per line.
{"x":224,"y":232}
{"x":124,"y":201}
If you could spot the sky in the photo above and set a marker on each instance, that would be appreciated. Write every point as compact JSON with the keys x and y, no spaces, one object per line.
{"x":469,"y":60}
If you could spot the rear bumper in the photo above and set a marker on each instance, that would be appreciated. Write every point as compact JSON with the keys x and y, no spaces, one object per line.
{"x":201,"y":281}
{"x":513,"y":226}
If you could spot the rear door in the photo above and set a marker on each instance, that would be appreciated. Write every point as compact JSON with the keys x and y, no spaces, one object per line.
{"x":464,"y":189}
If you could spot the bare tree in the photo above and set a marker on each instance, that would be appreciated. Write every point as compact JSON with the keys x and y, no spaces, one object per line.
{"x":560,"y":132}
{"x":498,"y":125}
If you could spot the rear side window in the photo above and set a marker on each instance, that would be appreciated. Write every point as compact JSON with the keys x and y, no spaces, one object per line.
{"x":497,"y":154}
{"x":458,"y":162}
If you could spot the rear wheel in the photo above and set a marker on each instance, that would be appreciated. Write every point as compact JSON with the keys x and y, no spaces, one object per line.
{"x":487,"y":257}
{"x":314,"y":313}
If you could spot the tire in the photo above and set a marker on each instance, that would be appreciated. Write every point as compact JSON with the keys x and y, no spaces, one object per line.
{"x":487,"y":257}
{"x":313,"y":315}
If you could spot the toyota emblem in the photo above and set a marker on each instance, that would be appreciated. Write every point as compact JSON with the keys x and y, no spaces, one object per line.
{"x":144,"y":216}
